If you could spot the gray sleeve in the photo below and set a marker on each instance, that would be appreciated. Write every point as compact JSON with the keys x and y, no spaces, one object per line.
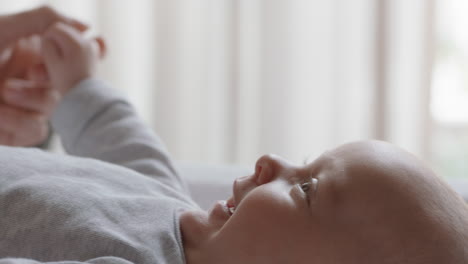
{"x":101,"y":260}
{"x":94,"y":121}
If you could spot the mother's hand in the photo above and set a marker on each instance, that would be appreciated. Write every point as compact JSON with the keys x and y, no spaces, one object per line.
{"x":36,"y":21}
{"x":26,"y":98}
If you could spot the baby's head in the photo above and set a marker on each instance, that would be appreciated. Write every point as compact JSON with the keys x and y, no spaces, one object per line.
{"x":364,"y":202}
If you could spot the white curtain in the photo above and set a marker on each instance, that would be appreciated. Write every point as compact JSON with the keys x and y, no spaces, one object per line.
{"x":229,"y":80}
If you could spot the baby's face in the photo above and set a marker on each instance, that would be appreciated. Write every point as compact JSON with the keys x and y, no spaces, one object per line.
{"x":332,"y":210}
{"x":274,"y":213}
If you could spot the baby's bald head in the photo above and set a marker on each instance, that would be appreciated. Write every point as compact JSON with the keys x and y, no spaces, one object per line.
{"x":390,"y":206}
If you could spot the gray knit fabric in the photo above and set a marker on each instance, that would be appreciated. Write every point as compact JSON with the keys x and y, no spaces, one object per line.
{"x":114,"y":199}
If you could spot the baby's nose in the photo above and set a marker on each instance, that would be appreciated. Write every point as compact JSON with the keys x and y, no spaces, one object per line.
{"x":268,"y":167}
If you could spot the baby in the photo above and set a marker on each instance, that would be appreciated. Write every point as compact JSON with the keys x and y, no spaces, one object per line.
{"x":116,"y":198}
{"x":364,"y":202}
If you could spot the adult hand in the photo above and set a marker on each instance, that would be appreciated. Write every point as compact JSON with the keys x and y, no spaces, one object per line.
{"x":26,"y":98}
{"x":16,"y":26}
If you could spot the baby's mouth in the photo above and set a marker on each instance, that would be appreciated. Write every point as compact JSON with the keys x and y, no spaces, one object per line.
{"x":230,"y":207}
{"x":231,"y":210}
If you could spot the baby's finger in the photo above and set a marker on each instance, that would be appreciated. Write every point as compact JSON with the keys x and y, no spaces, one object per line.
{"x":67,"y":38}
{"x":38,"y":73}
{"x":51,"y":51}
{"x":30,"y":96}
{"x":25,"y":52}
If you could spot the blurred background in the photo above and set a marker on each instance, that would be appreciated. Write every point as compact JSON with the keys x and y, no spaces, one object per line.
{"x":224,"y":81}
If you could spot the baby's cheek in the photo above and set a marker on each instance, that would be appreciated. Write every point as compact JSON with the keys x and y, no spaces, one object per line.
{"x":265,"y":212}
{"x":264,"y":224}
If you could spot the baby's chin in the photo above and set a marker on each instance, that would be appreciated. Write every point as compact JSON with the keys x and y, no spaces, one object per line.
{"x":203,"y":224}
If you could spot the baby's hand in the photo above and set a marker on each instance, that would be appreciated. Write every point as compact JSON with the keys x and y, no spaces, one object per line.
{"x":69,"y":56}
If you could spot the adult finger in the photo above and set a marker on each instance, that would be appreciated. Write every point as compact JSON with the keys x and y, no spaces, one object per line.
{"x":35,"y":21}
{"x":49,"y":16}
{"x":30,"y":96}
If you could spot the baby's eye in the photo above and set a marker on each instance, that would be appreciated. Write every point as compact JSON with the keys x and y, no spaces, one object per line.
{"x":305,"y":186}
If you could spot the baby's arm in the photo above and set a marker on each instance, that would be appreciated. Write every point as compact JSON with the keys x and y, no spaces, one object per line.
{"x":92,"y":119}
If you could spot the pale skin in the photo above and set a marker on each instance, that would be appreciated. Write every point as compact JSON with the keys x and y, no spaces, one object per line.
{"x":26,"y":98}
{"x":364,"y":202}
